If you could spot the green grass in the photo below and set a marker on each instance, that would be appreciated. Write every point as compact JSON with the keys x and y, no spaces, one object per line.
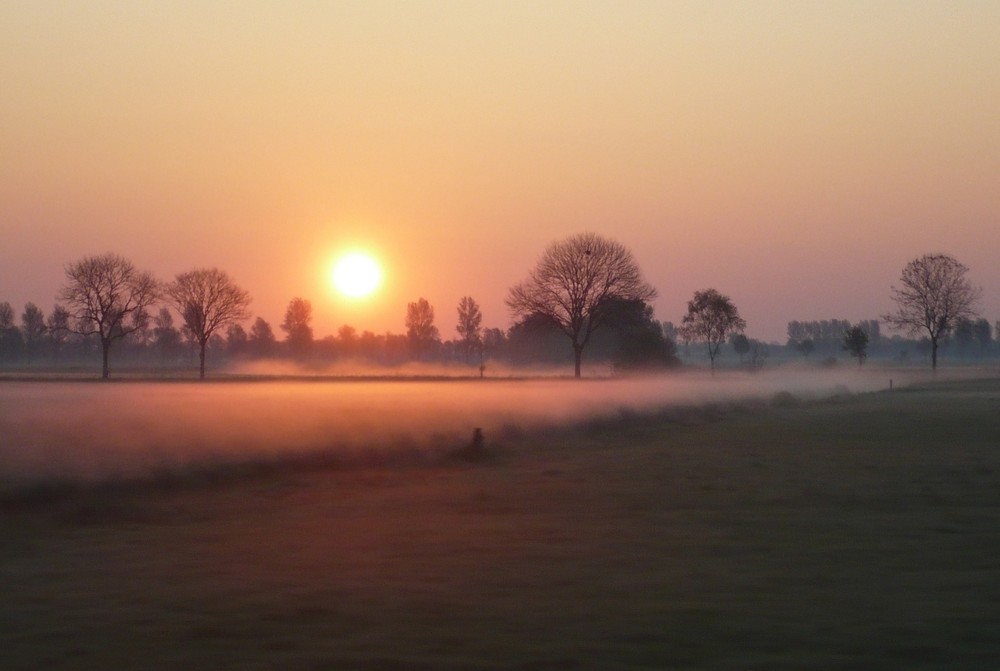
{"x":857,"y":534}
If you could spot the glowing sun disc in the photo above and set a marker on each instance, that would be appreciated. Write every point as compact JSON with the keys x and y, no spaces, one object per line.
{"x":356,"y":275}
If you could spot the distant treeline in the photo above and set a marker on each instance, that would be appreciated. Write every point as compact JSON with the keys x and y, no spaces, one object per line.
{"x":969,"y":339}
{"x":632,"y":340}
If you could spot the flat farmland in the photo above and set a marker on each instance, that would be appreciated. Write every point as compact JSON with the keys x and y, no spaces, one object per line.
{"x":783,"y":532}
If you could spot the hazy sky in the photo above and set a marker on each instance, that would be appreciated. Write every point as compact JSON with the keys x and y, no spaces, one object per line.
{"x":794,"y":155}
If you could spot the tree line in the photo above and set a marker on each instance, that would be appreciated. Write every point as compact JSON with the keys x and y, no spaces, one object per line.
{"x":586,"y":289}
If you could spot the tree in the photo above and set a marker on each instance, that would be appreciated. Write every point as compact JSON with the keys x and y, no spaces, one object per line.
{"x":469,"y":327}
{"x":935,"y":293}
{"x":166,"y":338}
{"x":758,"y":354}
{"x":983,"y":334}
{"x":805,"y":347}
{"x":107,"y":297}
{"x":856,"y":342}
{"x":633,"y":339}
{"x":10,"y":337}
{"x":207,"y":299}
{"x":57,"y":326}
{"x":710,"y":318}
{"x":670,"y":332}
{"x":261,"y":340}
{"x":740,"y":343}
{"x":32,"y":327}
{"x":964,"y":336}
{"x":420,"y":328}
{"x":236,"y":339}
{"x":299,"y":334}
{"x":573,"y":282}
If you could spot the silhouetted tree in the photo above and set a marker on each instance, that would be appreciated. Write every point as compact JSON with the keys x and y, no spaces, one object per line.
{"x":108,"y":297}
{"x":57,"y":328}
{"x":10,"y":337}
{"x":935,"y":293}
{"x":964,"y":336}
{"x":805,"y":347}
{"x":710,"y":318}
{"x":236,"y":339}
{"x":536,"y":338}
{"x":636,"y":338}
{"x":856,"y":343}
{"x":740,"y":343}
{"x":983,"y":335}
{"x":347,"y":340}
{"x":758,"y":354}
{"x":32,"y":328}
{"x":469,"y":327}
{"x":420,"y":329}
{"x":299,"y":334}
{"x":261,"y":341}
{"x":670,"y":332}
{"x":166,"y":338}
{"x":573,"y":280}
{"x":207,"y":299}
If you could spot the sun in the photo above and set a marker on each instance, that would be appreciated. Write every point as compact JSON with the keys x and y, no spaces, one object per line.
{"x":356,"y":274}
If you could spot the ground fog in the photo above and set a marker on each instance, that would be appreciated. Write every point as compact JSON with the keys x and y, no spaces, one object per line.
{"x":84,"y":431}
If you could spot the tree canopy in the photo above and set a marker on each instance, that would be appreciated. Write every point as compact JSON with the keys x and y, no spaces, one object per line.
{"x":934,"y":293}
{"x":207,"y":299}
{"x":574,"y":281}
{"x":108,"y":297}
{"x":710,"y":318}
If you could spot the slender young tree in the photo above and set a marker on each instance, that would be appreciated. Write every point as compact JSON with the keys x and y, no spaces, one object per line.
{"x":856,"y":343}
{"x":299,"y":333}
{"x":108,"y":297}
{"x":934,"y":294}
{"x":469,"y":327}
{"x":207,"y":299}
{"x":420,"y":328}
{"x":710,"y":318}
{"x":573,"y":283}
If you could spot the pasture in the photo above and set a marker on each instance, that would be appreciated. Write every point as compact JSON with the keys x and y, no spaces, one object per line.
{"x":861,"y":531}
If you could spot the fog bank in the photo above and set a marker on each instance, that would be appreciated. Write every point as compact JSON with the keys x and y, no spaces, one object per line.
{"x":96,"y":431}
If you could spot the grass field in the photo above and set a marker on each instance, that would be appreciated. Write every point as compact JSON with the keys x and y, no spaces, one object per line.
{"x":855,"y":533}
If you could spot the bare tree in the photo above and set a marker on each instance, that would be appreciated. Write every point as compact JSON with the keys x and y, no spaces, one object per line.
{"x":108,"y":297}
{"x":299,"y":333}
{"x":573,"y":281}
{"x":934,"y":295}
{"x":207,"y":299}
{"x":420,"y":328}
{"x":710,"y":318}
{"x":469,"y":327}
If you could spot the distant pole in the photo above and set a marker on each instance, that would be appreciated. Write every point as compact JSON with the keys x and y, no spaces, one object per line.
{"x":890,"y":384}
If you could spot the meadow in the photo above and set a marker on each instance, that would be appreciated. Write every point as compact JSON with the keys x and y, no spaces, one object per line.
{"x":782,"y":529}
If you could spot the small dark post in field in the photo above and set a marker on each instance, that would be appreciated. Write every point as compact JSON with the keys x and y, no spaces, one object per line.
{"x":475,"y":450}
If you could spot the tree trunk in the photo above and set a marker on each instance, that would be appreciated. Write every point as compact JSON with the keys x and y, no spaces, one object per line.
{"x":201,"y":360}
{"x":934,"y":346}
{"x":578,"y":357}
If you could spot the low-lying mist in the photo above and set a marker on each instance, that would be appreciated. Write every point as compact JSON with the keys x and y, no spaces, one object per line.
{"x":91,"y":432}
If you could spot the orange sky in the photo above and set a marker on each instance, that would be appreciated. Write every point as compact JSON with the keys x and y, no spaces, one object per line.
{"x":792,"y":155}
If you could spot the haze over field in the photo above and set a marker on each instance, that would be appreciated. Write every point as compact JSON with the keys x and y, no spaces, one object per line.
{"x":793,"y":155}
{"x":82,"y":431}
